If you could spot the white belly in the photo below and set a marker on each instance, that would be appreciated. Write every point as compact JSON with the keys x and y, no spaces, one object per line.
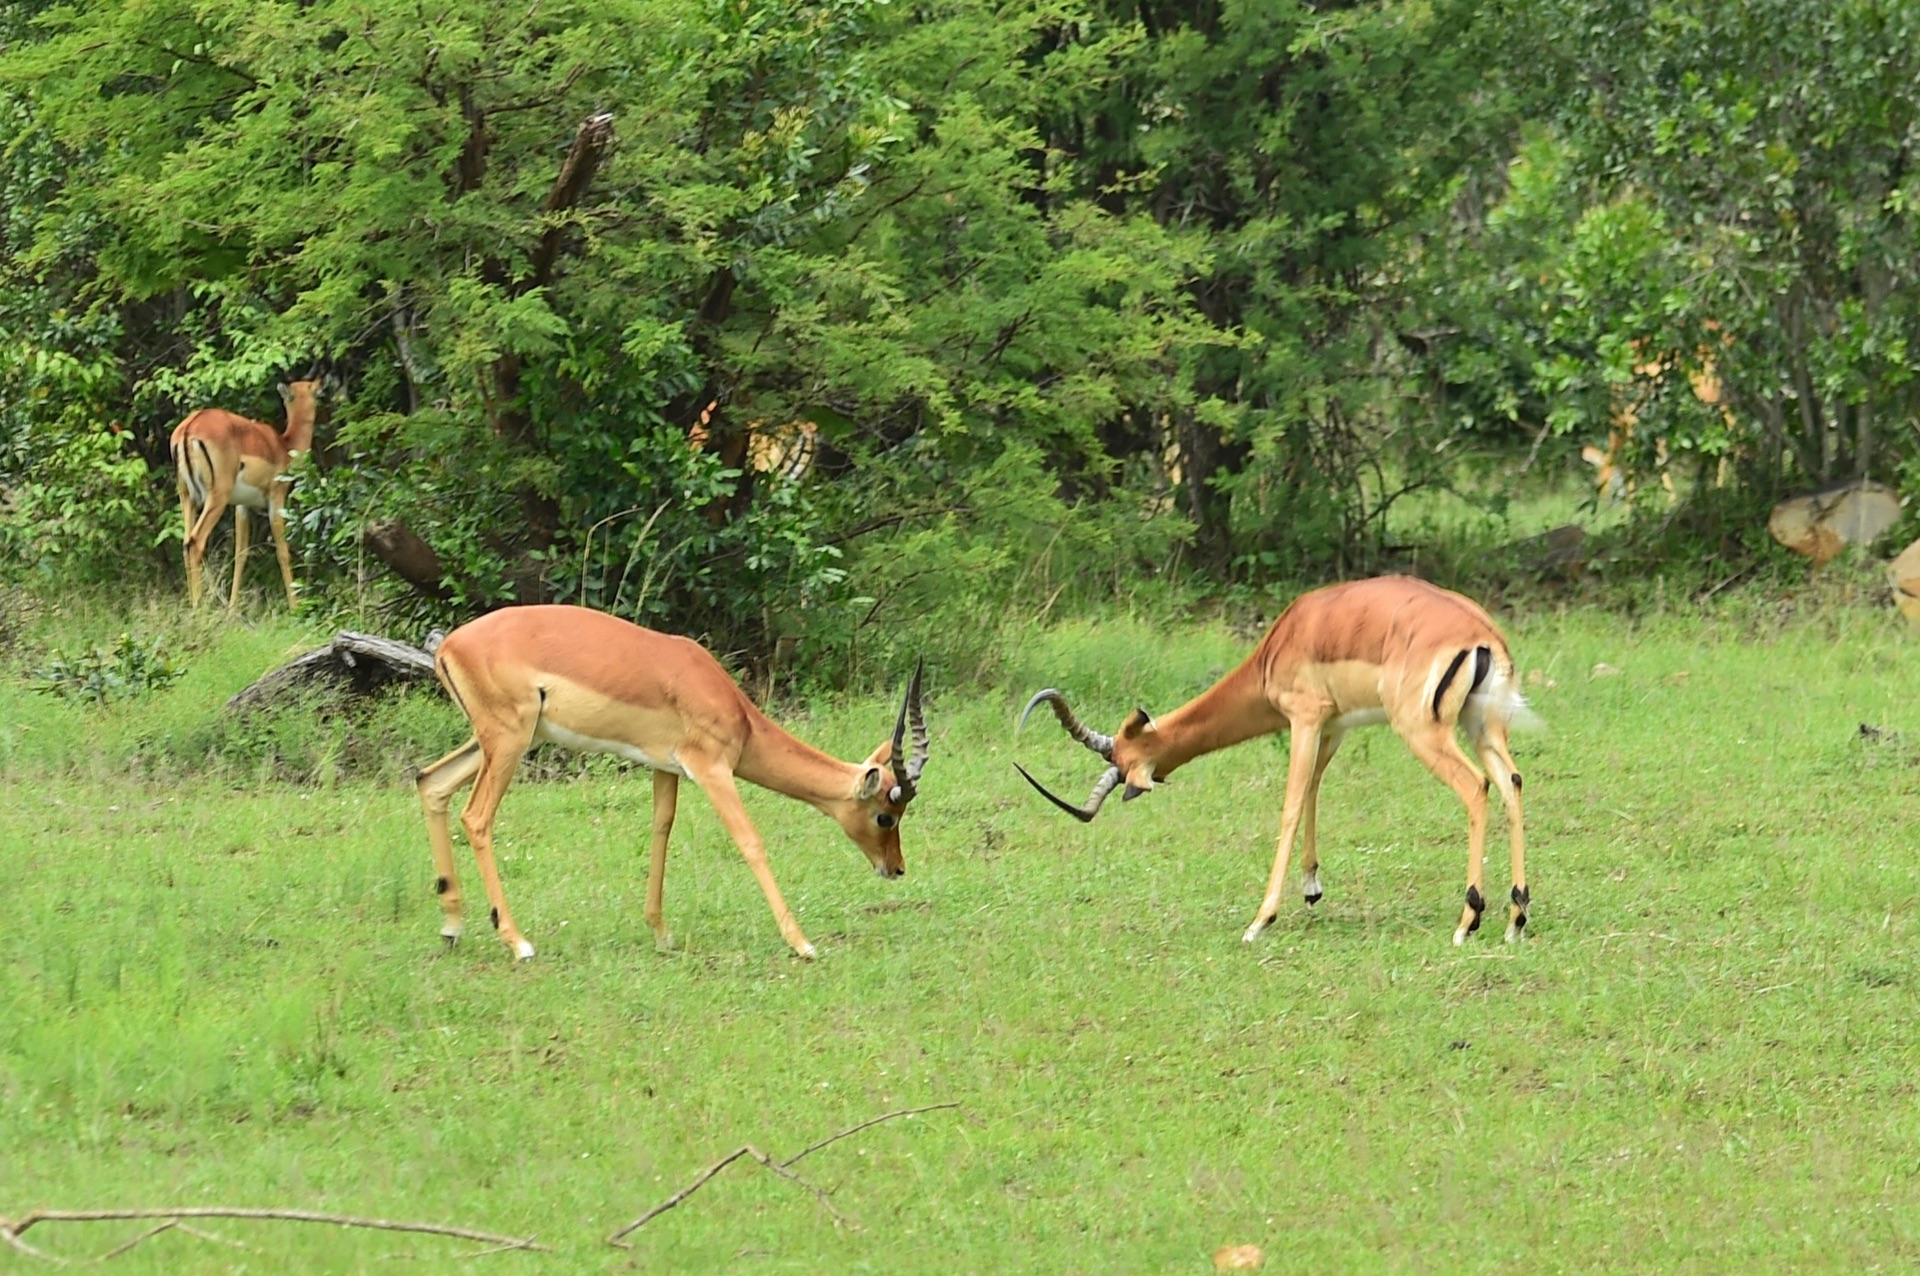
{"x":245,"y":493}
{"x":619,"y":748}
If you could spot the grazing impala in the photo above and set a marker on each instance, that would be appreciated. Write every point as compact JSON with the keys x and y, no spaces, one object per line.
{"x":1392,"y":649}
{"x":221,"y":458}
{"x":594,"y":682}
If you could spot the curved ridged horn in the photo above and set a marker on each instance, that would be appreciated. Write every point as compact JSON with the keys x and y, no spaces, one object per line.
{"x":1105,"y":785}
{"x":908,"y":776}
{"x":1100,"y":744}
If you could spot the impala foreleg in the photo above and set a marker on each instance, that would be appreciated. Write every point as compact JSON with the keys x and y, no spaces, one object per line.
{"x":1310,"y":819}
{"x":1302,"y":767}
{"x":1436,"y":748}
{"x":1506,"y":778}
{"x":500,"y":759}
{"x":437,"y":783}
{"x":277,"y":521}
{"x":717,"y":783}
{"x":666,"y":796}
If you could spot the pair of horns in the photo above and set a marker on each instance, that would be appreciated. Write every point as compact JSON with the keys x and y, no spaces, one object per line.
{"x":1093,"y":740}
{"x":908,"y":777}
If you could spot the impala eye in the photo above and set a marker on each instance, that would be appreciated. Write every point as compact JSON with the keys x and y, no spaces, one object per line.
{"x":885,"y":820}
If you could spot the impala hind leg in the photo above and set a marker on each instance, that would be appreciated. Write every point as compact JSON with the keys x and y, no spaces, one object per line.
{"x":437,"y":783}
{"x":1506,"y":777}
{"x":198,"y":535}
{"x":1310,"y":820}
{"x":1434,"y":745}
{"x":666,"y":796}
{"x":241,"y":533}
{"x":1302,"y":769}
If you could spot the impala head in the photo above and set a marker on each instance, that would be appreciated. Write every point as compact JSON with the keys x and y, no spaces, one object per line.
{"x":872,"y":816}
{"x":302,"y":402}
{"x":1132,"y":755}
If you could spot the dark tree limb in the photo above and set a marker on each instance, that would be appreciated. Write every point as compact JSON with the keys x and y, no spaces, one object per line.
{"x":411,"y":558}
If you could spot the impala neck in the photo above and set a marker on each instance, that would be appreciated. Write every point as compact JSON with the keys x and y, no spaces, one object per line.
{"x":775,"y":760}
{"x":1232,"y":710}
{"x":298,"y":436}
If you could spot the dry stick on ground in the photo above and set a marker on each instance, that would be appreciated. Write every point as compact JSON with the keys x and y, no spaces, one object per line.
{"x":10,"y":1229}
{"x":782,"y":1168}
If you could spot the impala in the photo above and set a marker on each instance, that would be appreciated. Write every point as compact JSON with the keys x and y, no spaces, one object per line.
{"x":221,"y":458}
{"x":1391,"y":649}
{"x":594,"y":682}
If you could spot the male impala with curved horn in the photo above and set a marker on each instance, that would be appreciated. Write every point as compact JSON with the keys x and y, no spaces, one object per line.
{"x":221,"y":458}
{"x":594,"y":682}
{"x":1392,"y":649}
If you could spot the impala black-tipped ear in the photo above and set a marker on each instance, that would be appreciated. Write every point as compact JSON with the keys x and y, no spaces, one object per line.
{"x":1137,"y":721}
{"x":870,"y":783}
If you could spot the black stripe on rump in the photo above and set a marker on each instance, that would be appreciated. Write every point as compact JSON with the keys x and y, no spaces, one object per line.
{"x":1446,"y":680}
{"x":1482,"y":662}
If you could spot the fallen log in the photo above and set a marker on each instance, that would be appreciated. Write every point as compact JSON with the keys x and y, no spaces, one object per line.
{"x":360,"y":663}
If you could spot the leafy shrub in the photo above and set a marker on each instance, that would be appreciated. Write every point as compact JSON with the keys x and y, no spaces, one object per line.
{"x":99,"y":674}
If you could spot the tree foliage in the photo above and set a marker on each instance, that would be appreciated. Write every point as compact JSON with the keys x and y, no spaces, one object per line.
{"x":1063,"y":294}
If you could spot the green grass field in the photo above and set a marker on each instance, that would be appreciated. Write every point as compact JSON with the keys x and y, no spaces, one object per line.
{"x":219,"y":987}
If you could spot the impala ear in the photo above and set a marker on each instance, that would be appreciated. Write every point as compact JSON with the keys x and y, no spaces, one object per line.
{"x":286,"y":391}
{"x":1137,"y":721}
{"x":870,"y":783}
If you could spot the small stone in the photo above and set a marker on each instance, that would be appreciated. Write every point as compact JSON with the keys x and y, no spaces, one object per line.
{"x":1238,"y":1258}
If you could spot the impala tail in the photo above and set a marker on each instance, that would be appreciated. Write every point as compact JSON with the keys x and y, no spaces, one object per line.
{"x":1492,"y":695}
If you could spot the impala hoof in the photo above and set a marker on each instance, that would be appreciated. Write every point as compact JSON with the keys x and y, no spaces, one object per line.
{"x":523,"y":951}
{"x":1459,"y":937}
{"x":1513,"y":934}
{"x":451,"y":934}
{"x":805,"y":952}
{"x":665,"y":943}
{"x":1253,"y":931}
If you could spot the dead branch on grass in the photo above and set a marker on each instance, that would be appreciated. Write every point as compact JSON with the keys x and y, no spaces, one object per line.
{"x":782,"y":1168}
{"x":10,"y":1229}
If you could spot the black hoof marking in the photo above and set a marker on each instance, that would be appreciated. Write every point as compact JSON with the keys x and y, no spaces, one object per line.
{"x":1313,"y":899}
{"x":1486,"y":786}
{"x":1478,"y":903}
{"x":1516,"y":783}
{"x":1522,"y":897}
{"x":496,"y":917}
{"x":441,"y":885}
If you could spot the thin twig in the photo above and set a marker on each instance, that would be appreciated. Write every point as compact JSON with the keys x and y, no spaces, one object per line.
{"x":12,"y":1238}
{"x":782,"y":1168}
{"x":855,"y":1129}
{"x":10,"y":1230}
{"x":785,"y":1173}
{"x":699,"y":1182}
{"x":209,"y":1236}
{"x":147,"y":1235}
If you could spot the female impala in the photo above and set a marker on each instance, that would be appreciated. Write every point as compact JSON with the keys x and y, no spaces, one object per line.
{"x":1392,"y":649}
{"x":221,"y":458}
{"x":594,"y":682}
